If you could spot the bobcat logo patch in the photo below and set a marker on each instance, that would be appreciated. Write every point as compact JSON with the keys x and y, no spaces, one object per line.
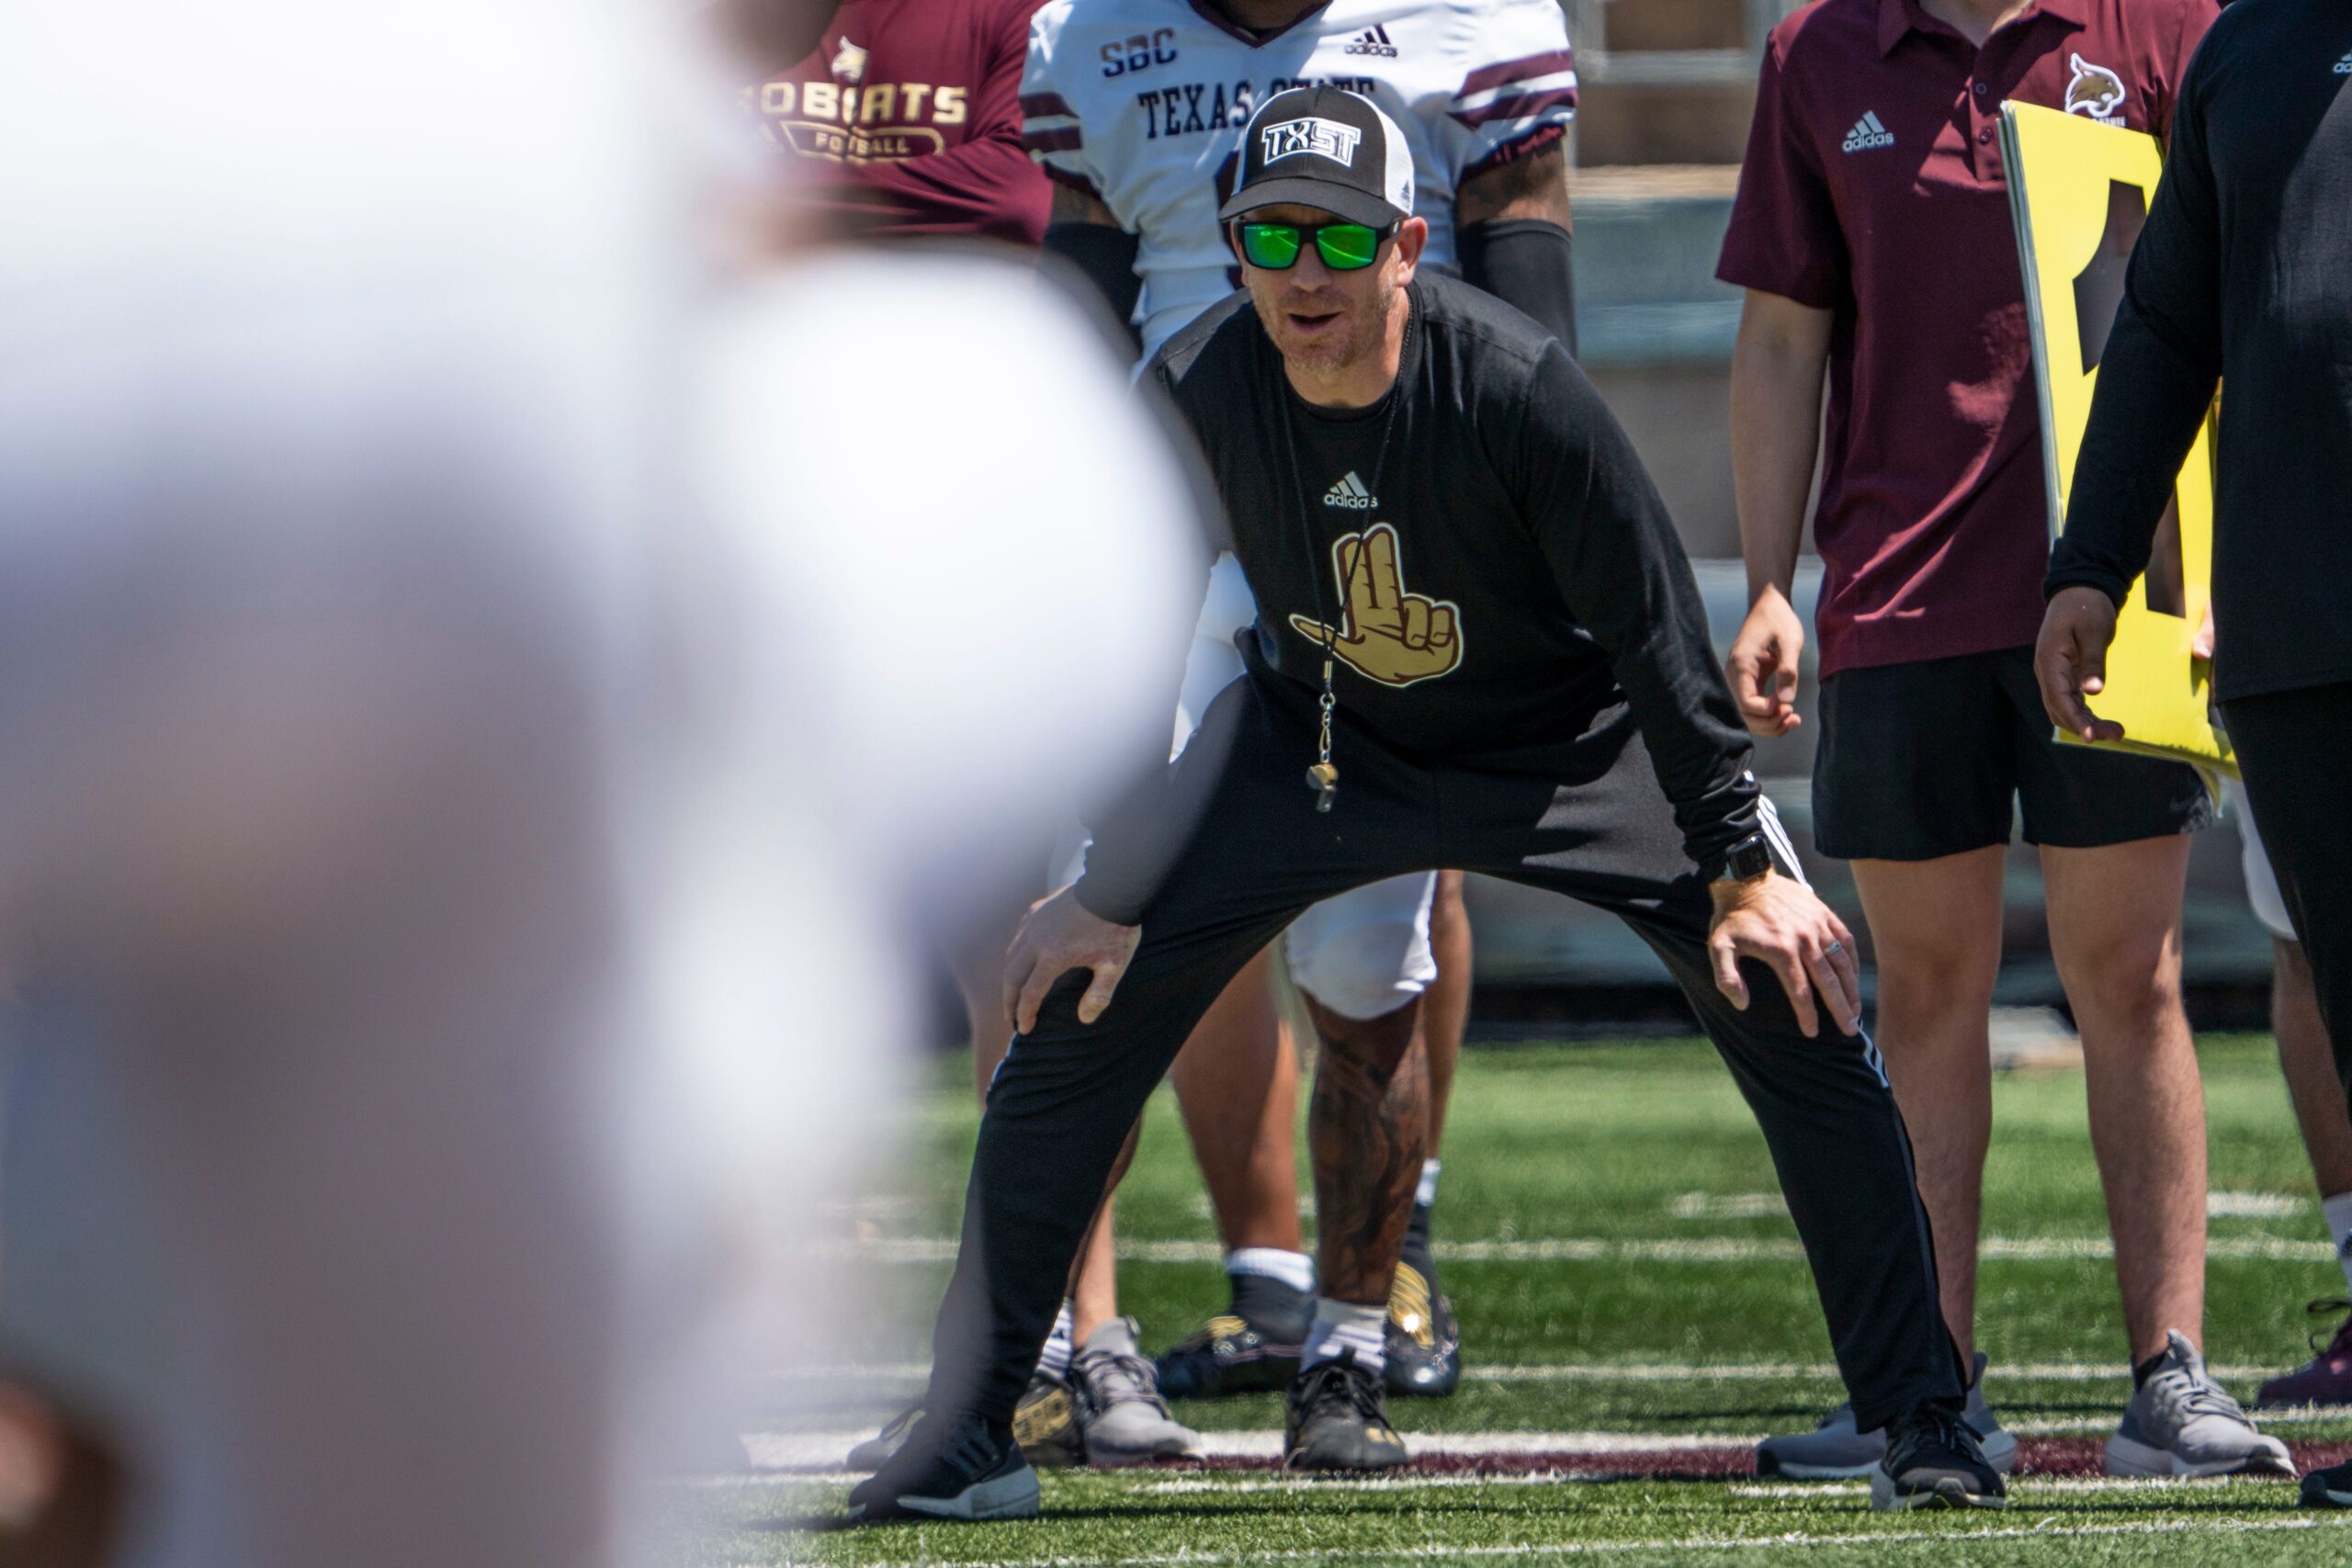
{"x":2095,"y":91}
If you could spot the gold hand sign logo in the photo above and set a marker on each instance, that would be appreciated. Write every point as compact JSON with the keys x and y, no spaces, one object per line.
{"x":1390,"y":635}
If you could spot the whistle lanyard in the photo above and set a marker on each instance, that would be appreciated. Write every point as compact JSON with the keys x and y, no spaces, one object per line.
{"x":1323,"y":775}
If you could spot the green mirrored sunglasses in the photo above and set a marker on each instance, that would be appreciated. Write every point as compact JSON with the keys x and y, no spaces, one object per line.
{"x":1344,"y":247}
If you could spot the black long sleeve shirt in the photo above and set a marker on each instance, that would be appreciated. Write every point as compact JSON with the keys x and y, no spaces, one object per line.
{"x":1504,"y":523}
{"x":2243,"y":274}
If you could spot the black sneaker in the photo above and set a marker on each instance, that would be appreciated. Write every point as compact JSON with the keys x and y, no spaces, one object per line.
{"x":2329,"y":1488}
{"x":1046,"y":1422}
{"x":1423,"y":1341}
{"x":949,"y":1468}
{"x":1933,"y":1462}
{"x":1336,"y":1418}
{"x":1251,"y":1347}
{"x":875,"y":1451}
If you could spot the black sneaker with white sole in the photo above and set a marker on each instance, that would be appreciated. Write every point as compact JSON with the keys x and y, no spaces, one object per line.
{"x":2329,"y":1488}
{"x":1336,"y":1418}
{"x":1933,"y":1462}
{"x":952,"y":1467}
{"x":875,"y":1452}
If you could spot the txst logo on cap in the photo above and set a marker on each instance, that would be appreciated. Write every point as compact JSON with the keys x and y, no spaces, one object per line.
{"x":1324,"y":148}
{"x":1324,"y":138}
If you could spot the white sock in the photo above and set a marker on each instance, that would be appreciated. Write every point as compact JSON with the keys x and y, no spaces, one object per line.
{"x":1293,"y":1268}
{"x":1342,"y":1326}
{"x":2338,"y":1210}
{"x":1060,"y":1346}
{"x":1425,"y":1193}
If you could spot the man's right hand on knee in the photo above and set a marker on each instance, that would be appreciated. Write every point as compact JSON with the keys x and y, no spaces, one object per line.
{"x":1059,"y":935}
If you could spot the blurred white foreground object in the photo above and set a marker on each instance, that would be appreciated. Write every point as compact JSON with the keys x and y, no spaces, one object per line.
{"x":432,"y":845}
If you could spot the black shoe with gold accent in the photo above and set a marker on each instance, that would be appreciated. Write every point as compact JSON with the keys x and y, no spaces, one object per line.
{"x":1336,"y":1418}
{"x":1250,"y":1347}
{"x":1045,"y":1423}
{"x":1422,"y":1340}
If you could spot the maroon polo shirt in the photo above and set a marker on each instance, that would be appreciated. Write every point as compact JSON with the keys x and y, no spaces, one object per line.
{"x":1873,"y":188}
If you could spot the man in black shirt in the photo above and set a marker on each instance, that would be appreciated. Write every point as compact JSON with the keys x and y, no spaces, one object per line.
{"x":2243,"y":277}
{"x":1478,"y":645}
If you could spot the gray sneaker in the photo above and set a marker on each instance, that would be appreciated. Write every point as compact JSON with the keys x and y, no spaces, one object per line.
{"x":1120,"y":1413}
{"x":1835,"y":1450}
{"x":2181,"y":1423}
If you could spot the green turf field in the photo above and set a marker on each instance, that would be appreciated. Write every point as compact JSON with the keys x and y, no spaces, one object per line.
{"x":1632,"y":1309}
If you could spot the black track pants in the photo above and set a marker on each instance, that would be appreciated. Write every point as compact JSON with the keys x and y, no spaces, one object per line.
{"x":1595,"y":826}
{"x":2295,"y":751}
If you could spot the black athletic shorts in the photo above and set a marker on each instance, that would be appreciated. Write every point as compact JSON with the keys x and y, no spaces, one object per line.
{"x":1919,"y":761}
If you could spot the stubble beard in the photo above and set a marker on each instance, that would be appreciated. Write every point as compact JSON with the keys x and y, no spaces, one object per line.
{"x":1332,"y":358}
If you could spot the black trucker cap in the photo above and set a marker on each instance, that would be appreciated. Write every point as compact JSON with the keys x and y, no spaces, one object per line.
{"x":1324,"y":147}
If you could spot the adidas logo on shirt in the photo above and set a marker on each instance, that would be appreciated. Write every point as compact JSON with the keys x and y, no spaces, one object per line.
{"x":2344,"y":66}
{"x":1349,"y":492}
{"x":1867,"y":133}
{"x":1374,"y":40}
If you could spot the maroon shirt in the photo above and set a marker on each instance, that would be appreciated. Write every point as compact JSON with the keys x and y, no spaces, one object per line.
{"x":907,"y":119}
{"x":1873,"y":188}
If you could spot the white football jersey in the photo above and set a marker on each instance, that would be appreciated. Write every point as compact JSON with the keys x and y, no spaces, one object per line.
{"x":1141,"y":103}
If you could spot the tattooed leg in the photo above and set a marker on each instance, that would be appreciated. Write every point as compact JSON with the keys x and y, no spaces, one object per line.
{"x":1368,"y":1126}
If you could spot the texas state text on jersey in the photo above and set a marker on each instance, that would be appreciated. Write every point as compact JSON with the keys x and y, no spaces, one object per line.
{"x":1141,"y":103}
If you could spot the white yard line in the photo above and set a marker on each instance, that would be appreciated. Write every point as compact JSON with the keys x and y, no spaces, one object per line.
{"x":1960,"y":1532}
{"x":1596,"y":1250}
{"x":823,"y":1450}
{"x":2025,"y":1486}
{"x":807,"y":1452}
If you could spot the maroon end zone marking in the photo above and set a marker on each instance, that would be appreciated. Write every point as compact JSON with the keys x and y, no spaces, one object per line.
{"x":1662,"y":1464}
{"x":2036,"y":1456}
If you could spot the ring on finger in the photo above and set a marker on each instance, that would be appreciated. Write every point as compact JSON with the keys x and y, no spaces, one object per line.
{"x":1833,"y":950}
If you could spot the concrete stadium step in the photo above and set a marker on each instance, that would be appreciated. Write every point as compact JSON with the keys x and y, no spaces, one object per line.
{"x":1647,"y":237}
{"x":1666,"y":81}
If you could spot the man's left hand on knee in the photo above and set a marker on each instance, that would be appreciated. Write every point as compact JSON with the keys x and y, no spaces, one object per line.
{"x":1061,"y":934}
{"x":1784,"y":923}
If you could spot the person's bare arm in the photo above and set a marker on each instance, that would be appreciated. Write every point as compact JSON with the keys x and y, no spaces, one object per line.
{"x":1777,"y":368}
{"x":1533,"y":186}
{"x":1074,"y":206}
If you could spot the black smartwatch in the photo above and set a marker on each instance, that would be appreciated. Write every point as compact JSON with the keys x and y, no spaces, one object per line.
{"x":1746,"y":860}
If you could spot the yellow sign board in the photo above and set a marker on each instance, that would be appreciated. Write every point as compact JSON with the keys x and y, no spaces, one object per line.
{"x":2079,"y":191}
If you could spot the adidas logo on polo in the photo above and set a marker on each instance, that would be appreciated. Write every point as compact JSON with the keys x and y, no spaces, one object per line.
{"x":2344,"y":66}
{"x":1349,"y":492}
{"x":1867,"y":133}
{"x":1374,"y":40}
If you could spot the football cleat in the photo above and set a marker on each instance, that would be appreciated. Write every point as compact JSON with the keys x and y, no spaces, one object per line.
{"x":2326,"y":1378}
{"x":1420,"y":1339}
{"x":1933,"y":1462}
{"x":949,"y":1468}
{"x":1335,"y":1416}
{"x":1227,"y":1355}
{"x":1045,"y":1423}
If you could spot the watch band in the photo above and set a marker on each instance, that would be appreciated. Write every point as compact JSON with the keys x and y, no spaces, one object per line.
{"x":1748,"y":859}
